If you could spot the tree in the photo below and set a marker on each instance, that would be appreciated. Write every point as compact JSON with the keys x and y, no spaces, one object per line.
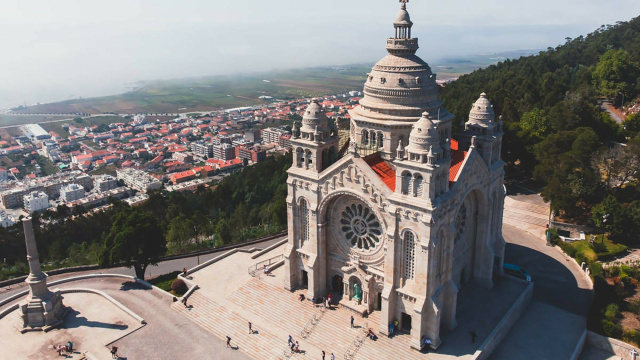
{"x":618,"y":165}
{"x":535,"y":124}
{"x":614,"y":218}
{"x":180,"y":233}
{"x":223,"y":231}
{"x":134,"y":240}
{"x":616,"y":74}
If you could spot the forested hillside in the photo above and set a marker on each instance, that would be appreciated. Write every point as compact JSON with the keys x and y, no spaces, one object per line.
{"x":555,"y":131}
{"x":245,"y":205}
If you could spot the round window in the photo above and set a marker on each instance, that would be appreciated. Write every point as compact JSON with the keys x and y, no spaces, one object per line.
{"x":360,"y":227}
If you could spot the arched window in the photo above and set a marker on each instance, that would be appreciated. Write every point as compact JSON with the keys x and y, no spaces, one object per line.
{"x":406,"y":183}
{"x":419,"y":185}
{"x":304,"y":221}
{"x":300,"y":157}
{"x":365,"y":137}
{"x":409,"y":255}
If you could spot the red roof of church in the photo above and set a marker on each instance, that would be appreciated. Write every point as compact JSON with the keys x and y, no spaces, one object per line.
{"x":382,"y":169}
{"x":457,"y":157}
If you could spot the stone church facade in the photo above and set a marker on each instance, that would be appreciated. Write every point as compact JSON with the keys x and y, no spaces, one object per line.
{"x":403,"y":216}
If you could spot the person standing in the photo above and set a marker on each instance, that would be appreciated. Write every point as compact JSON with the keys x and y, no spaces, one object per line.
{"x":228,"y":341}
{"x":352,"y":321}
{"x":250,"y":329}
{"x":333,"y":357}
{"x":322,"y":354}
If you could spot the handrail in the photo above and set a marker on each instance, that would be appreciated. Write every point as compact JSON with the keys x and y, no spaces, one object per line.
{"x":356,"y":344}
{"x":311,"y":324}
{"x":254,"y":268}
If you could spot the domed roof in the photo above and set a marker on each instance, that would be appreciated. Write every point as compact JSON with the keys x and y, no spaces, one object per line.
{"x":482,"y":111}
{"x":424,"y":136}
{"x":314,"y":118}
{"x":403,"y":18}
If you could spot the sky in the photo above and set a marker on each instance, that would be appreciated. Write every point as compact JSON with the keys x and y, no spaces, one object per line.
{"x":63,"y":49}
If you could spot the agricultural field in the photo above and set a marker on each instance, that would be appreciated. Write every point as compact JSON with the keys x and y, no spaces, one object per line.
{"x":229,"y":91}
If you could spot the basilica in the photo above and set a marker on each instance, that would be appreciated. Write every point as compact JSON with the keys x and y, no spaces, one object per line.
{"x":402,"y":216}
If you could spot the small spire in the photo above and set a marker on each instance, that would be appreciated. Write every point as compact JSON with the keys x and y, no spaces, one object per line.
{"x":404,"y":4}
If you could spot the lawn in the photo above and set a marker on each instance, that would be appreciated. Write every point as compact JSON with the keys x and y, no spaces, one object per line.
{"x":164,"y":282}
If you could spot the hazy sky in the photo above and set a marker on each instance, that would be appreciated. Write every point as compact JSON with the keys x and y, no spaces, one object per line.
{"x":56,"y":50}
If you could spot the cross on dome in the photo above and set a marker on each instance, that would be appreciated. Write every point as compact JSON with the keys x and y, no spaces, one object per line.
{"x":404,"y":4}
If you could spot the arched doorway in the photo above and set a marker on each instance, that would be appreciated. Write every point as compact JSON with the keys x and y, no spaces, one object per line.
{"x":337,"y":285}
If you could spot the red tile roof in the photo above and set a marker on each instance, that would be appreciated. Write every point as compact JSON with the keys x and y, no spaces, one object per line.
{"x":457,"y":157}
{"x":382,"y":169}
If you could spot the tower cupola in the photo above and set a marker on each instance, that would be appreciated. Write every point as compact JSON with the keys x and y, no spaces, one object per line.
{"x":424,"y":141}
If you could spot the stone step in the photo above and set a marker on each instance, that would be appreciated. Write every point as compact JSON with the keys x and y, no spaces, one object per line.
{"x":331,"y":334}
{"x":222,"y":322}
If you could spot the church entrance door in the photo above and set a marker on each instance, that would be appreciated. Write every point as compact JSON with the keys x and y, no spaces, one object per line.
{"x":379,"y":304}
{"x":337,"y":285}
{"x":305,"y":278}
{"x":406,"y":322}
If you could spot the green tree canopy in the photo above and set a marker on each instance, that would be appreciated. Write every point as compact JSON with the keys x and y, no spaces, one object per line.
{"x":616,"y":74}
{"x":134,"y":240}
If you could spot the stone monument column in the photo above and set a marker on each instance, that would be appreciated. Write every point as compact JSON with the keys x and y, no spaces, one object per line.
{"x":42,"y":309}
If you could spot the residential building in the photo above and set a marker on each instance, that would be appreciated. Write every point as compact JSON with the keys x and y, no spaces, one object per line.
{"x":71,"y":192}
{"x":272,"y":135}
{"x":224,"y":151}
{"x":105,"y":182}
{"x":36,"y":201}
{"x":202,"y":149}
{"x":138,"y":179}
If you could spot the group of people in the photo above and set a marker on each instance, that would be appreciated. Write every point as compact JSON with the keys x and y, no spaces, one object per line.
{"x":295,"y":347}
{"x":325,"y":302}
{"x":66,"y":348}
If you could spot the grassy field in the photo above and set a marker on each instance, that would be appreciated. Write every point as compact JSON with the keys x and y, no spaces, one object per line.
{"x":105,"y":170}
{"x":59,"y":127}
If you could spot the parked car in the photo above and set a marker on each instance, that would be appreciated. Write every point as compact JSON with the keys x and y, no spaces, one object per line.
{"x":516,"y":271}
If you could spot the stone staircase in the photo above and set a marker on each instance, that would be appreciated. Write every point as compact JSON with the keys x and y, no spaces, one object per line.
{"x":222,"y":321}
{"x":332,"y":333}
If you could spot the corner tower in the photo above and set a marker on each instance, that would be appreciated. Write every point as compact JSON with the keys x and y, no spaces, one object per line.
{"x":399,"y":88}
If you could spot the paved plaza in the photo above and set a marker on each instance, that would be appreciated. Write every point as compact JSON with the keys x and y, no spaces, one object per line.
{"x":228,"y":298}
{"x":90,"y":323}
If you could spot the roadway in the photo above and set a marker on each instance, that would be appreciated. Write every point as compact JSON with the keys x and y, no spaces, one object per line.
{"x":162,"y":268}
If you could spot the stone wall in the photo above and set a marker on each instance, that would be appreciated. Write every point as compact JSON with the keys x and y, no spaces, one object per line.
{"x":574,"y":229}
{"x":505,"y":324}
{"x":613,"y":346}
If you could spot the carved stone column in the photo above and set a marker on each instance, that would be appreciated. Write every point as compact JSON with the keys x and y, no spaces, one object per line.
{"x":42,"y":309}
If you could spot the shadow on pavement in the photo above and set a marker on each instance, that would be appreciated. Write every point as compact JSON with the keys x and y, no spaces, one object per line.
{"x":73,"y":320}
{"x":554,"y":283}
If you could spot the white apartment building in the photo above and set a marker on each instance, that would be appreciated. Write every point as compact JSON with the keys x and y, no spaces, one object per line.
{"x":138,"y":179}
{"x":105,"y":183}
{"x":71,"y":192}
{"x":36,"y":201}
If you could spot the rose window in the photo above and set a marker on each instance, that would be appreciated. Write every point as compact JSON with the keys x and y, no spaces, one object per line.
{"x":360,"y":227}
{"x":461,"y":220}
